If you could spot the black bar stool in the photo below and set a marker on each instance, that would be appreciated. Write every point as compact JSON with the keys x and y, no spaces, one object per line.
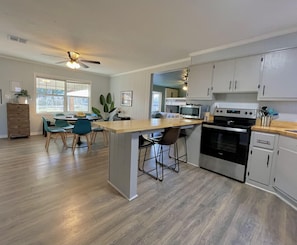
{"x":169,"y":137}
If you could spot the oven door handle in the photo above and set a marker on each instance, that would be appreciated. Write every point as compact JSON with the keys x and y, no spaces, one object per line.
{"x":237,"y":130}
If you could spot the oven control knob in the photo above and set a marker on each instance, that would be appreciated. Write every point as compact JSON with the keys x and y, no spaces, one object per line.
{"x":246,"y":113}
{"x":221,"y":111}
{"x":251,"y":113}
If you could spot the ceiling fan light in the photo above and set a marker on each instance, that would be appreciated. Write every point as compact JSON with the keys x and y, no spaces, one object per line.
{"x":72,"y":64}
{"x":185,"y":87}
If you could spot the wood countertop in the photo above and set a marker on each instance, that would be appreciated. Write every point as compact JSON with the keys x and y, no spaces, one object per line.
{"x":129,"y":126}
{"x":278,"y":127}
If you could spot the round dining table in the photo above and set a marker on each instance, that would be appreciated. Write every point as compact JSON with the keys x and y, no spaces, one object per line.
{"x":72,"y":118}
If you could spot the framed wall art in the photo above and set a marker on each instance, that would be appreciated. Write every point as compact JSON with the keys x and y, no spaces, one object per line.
{"x":15,"y":86}
{"x":126,"y":98}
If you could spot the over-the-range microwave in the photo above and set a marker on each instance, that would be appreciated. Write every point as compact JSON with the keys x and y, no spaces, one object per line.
{"x":193,"y":111}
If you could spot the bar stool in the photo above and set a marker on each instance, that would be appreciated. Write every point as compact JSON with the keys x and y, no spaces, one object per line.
{"x":169,"y":137}
{"x":183,"y":135}
{"x":146,"y":143}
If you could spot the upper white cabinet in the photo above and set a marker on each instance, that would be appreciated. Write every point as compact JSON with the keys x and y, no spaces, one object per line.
{"x":171,"y":93}
{"x":279,"y":79}
{"x":200,"y":82}
{"x":237,"y":75}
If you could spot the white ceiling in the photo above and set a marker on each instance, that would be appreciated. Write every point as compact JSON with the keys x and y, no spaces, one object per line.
{"x":127,"y":35}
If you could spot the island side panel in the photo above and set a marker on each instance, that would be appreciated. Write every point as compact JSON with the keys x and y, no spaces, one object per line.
{"x":193,"y":145}
{"x":123,"y":165}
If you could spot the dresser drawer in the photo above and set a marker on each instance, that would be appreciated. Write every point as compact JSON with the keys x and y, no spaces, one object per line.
{"x":18,"y":120}
{"x":264,"y":140}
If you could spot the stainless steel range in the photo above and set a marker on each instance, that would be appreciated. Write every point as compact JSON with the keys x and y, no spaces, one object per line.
{"x":225,"y":142}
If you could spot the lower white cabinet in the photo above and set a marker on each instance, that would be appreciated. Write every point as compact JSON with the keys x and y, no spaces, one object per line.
{"x":261,"y":160}
{"x":285,"y":175}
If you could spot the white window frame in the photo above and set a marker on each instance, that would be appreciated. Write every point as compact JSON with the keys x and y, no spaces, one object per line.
{"x":160,"y":96}
{"x":65,"y":80}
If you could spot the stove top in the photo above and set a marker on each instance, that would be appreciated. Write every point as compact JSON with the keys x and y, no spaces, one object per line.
{"x":236,"y":113}
{"x":235,"y":117}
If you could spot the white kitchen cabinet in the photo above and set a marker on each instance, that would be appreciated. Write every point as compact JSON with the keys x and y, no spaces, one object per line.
{"x":279,"y":76}
{"x":241,"y":75}
{"x":200,"y":82}
{"x":171,"y":93}
{"x":261,"y":159}
{"x":286,"y":167}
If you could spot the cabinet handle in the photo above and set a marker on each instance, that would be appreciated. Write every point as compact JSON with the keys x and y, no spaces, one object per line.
{"x":235,"y":85}
{"x":266,"y":142}
{"x":230,"y":83}
{"x":267,"y":161}
{"x":207,"y":91}
{"x":263,"y":92}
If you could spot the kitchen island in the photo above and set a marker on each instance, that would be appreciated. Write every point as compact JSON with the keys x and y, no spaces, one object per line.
{"x":123,"y":148}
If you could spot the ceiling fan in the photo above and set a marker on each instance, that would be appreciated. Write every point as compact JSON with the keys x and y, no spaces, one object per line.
{"x":75,"y":63}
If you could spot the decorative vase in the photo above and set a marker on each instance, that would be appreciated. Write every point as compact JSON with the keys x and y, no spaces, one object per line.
{"x":23,"y":100}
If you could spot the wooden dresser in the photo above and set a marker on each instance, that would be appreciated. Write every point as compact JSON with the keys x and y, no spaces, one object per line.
{"x":18,"y":120}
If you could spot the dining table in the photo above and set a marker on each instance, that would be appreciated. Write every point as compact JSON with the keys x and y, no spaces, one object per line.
{"x":73,"y":119}
{"x":124,"y":142}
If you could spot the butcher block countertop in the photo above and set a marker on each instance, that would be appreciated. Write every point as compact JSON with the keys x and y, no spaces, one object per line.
{"x":278,"y":127}
{"x":129,"y":126}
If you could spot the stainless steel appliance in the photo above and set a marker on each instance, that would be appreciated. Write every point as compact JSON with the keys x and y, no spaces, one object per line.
{"x":193,"y":111}
{"x":225,"y":142}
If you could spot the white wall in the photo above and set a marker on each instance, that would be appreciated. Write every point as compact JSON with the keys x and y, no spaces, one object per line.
{"x":140,"y":83}
{"x":23,"y":71}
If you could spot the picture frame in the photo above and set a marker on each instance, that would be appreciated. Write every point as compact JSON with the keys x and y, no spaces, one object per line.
{"x":126,"y":98}
{"x":15,"y":86}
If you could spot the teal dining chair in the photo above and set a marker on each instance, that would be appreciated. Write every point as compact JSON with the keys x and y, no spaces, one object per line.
{"x":64,"y":124}
{"x":82,"y":127}
{"x":51,"y":131}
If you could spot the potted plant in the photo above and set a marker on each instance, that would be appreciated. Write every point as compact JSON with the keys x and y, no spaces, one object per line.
{"x":22,"y":96}
{"x":107,"y":104}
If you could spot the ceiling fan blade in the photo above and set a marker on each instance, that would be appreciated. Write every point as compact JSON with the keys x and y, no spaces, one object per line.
{"x":82,"y":64}
{"x":92,"y":61}
{"x":56,"y":56}
{"x":60,"y":62}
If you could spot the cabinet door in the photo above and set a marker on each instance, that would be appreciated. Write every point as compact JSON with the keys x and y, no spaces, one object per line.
{"x":247,"y":74}
{"x":200,"y":81}
{"x":286,"y":170}
{"x":279,"y":75}
{"x":259,"y":165}
{"x":223,"y":76}
{"x":171,"y":93}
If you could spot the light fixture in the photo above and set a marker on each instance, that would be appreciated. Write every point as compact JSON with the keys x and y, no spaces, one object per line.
{"x":73,"y":64}
{"x":185,"y":87}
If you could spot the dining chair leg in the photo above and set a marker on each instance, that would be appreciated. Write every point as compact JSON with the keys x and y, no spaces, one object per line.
{"x":88,"y":141}
{"x":48,"y":138}
{"x":63,"y":137}
{"x":74,"y":142}
{"x":93,"y":136}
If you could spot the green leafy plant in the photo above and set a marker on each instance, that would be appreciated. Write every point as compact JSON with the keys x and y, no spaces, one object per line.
{"x":23,"y":93}
{"x":107,"y":104}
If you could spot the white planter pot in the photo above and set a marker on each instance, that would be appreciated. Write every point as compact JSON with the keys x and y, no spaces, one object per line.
{"x":23,"y":100}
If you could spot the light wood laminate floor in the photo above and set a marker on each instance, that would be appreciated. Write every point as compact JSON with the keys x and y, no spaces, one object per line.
{"x":60,"y":198}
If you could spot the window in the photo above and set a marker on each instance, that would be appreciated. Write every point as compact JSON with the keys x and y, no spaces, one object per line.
{"x":54,"y":95}
{"x":156,"y":101}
